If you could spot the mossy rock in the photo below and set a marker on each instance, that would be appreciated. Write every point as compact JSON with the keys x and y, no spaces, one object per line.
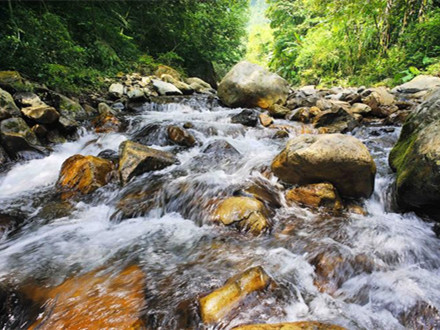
{"x":8,"y":108}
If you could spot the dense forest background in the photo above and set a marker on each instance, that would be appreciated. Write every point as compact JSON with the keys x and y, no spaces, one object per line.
{"x":72,"y":45}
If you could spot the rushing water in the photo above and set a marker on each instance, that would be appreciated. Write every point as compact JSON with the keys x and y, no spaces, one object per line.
{"x":387,"y":264}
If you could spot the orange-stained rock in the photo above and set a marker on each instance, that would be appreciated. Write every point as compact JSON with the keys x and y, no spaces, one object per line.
{"x":180,"y":136}
{"x":316,"y":195}
{"x":222,"y":301}
{"x":265,"y":120}
{"x":304,"y":325}
{"x":248,"y":214}
{"x":83,"y":174}
{"x":93,"y":301}
{"x":107,"y":123}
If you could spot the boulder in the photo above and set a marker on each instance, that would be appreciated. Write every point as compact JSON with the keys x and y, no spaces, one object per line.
{"x":39,"y":130}
{"x":83,"y":175}
{"x":116,"y":90}
{"x":164,"y":69}
{"x":93,"y":301}
{"x":8,"y":108}
{"x":200,"y":86}
{"x":27,"y":99}
{"x":265,"y":120}
{"x":180,"y":136}
{"x":303,"y":325}
{"x":418,"y":84}
{"x":16,"y":136}
{"x":335,"y":121}
{"x":249,"y":85}
{"x":42,"y":114}
{"x":416,"y":158}
{"x":68,"y":107}
{"x":183,"y":87}
{"x":316,"y":195}
{"x":224,"y":300}
{"x":339,"y":159}
{"x":136,"y":158}
{"x":279,"y":111}
{"x":164,"y":88}
{"x":246,"y":213}
{"x":10,"y":79}
{"x":246,"y":117}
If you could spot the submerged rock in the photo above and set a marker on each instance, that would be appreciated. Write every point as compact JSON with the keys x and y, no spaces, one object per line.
{"x":339,"y":159}
{"x":316,"y":195}
{"x":8,"y":108}
{"x":303,"y":325}
{"x":16,"y":136}
{"x":246,"y":213}
{"x":93,"y":301}
{"x":246,"y":117}
{"x":224,"y":300}
{"x":416,"y":158}
{"x":249,"y":85}
{"x":83,"y":174}
{"x":180,"y":136}
{"x":136,"y":158}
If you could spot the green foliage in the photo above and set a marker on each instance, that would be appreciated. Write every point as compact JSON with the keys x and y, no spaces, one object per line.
{"x":354,"y":42}
{"x":69,"y":45}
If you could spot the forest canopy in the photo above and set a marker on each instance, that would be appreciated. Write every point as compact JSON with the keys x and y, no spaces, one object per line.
{"x":67,"y":44}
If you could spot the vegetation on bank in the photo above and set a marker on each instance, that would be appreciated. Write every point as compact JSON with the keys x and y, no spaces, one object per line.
{"x":72,"y":45}
{"x":352,"y":42}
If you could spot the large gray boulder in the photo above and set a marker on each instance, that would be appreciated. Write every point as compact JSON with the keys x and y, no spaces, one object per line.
{"x":416,"y":157}
{"x":418,"y":84}
{"x":339,"y":159}
{"x":249,"y":85}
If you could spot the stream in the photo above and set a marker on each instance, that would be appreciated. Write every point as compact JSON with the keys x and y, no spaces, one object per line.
{"x":385,"y":271}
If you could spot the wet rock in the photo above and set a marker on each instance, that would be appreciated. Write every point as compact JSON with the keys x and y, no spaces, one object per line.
{"x":200,"y":86}
{"x":68,"y":125}
{"x":316,"y":195}
{"x":116,"y":90}
{"x":42,"y":114}
{"x":93,"y":301}
{"x":16,"y":310}
{"x":3,"y":157}
{"x":109,"y":155}
{"x":83,"y":175}
{"x":180,"y":136}
{"x":421,"y":316}
{"x":263,"y":192}
{"x":16,"y":136}
{"x":335,"y":121}
{"x":246,"y":117}
{"x":55,"y":136}
{"x":188,"y":125}
{"x":281,"y":134}
{"x":224,"y":300}
{"x":339,"y":159}
{"x":249,"y":85}
{"x":164,"y":69}
{"x":279,"y":111}
{"x":183,"y":87}
{"x":164,"y":88}
{"x":136,"y":159}
{"x":245,"y":213}
{"x":303,"y":325}
{"x":416,"y":158}
{"x":265,"y":120}
{"x":8,"y":224}
{"x":418,"y":84}
{"x":27,"y":99}
{"x":106,"y":122}
{"x":8,"y":108}
{"x":55,"y":210}
{"x":221,"y":148}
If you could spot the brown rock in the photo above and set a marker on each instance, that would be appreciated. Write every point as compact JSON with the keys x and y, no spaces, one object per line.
{"x":304,"y":325}
{"x":279,"y":111}
{"x":248,"y":214}
{"x":224,"y":300}
{"x":83,"y":174}
{"x":316,"y":195}
{"x":106,"y":123}
{"x":164,"y":69}
{"x":93,"y":301}
{"x":135,"y":159}
{"x":180,"y":136}
{"x":265,"y":120}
